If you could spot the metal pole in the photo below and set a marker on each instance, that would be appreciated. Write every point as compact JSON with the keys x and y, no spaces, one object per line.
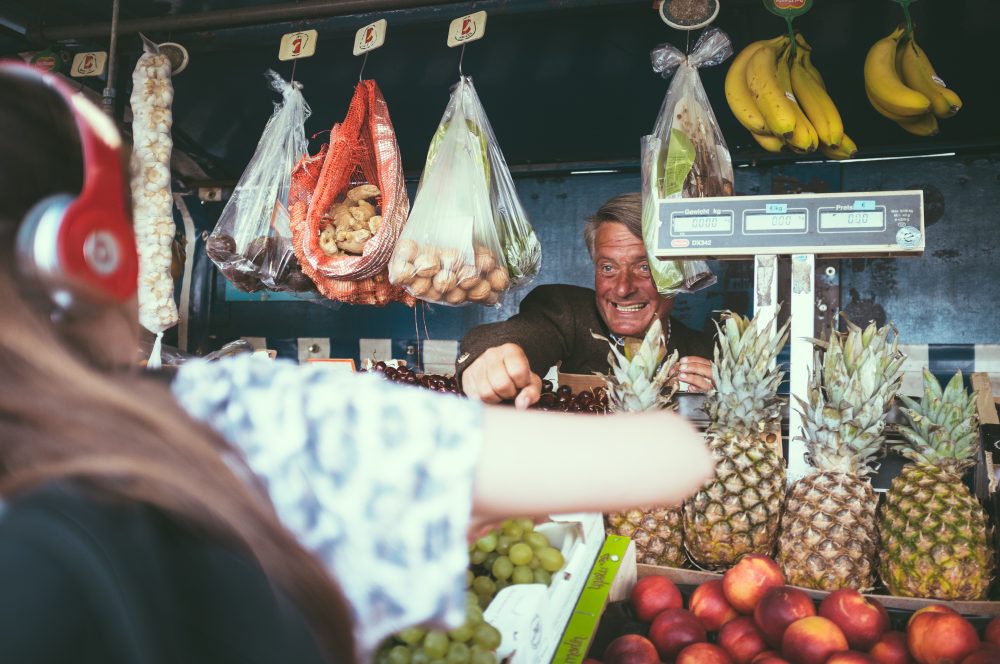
{"x":109,"y":86}
{"x":300,"y":11}
{"x":228,"y":18}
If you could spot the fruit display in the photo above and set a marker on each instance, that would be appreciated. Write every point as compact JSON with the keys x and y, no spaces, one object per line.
{"x":738,"y":511}
{"x":776,"y":92}
{"x":829,"y":535}
{"x":638,"y":382}
{"x":472,"y":643}
{"x":750,"y":616}
{"x":408,"y":376}
{"x":935,"y":534}
{"x":512,"y":554}
{"x":351,"y":222}
{"x":245,"y":269}
{"x":902,"y":85}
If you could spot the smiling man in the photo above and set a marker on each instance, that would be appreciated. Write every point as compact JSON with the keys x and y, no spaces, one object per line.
{"x":501,"y":361}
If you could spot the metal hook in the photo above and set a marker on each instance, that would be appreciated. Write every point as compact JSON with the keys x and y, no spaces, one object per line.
{"x":364,"y":61}
{"x":294,"y":62}
{"x":460,"y":58}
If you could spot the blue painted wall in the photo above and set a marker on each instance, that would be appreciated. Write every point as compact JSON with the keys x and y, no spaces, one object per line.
{"x":947,"y":296}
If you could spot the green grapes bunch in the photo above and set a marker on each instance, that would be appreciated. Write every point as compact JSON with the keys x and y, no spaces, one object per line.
{"x":472,"y":643}
{"x":514,"y":553}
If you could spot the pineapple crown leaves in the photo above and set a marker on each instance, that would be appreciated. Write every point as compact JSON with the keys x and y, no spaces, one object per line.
{"x":745,"y":374}
{"x":855,"y":378}
{"x":638,"y":376}
{"x":943,"y":425}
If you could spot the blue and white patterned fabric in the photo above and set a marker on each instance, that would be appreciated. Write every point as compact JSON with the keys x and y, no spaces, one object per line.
{"x":374,"y":478}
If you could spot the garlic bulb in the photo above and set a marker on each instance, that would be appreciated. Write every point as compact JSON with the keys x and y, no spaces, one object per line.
{"x":152,"y":95}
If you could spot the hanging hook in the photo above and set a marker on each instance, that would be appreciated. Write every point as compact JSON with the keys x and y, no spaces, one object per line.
{"x":294,"y":62}
{"x":364,"y":61}
{"x":460,"y":58}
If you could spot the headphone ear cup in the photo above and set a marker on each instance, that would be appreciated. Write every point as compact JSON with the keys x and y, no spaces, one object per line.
{"x":38,"y":247}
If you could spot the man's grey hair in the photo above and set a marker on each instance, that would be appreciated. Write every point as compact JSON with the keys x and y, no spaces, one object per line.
{"x":623,"y":209}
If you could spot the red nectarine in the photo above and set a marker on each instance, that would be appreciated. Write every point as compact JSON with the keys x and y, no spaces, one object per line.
{"x":673,"y":630}
{"x":778,"y":608}
{"x":812,"y":640}
{"x":709,"y":604}
{"x":745,"y":582}
{"x":863,"y":620}
{"x":653,"y":594}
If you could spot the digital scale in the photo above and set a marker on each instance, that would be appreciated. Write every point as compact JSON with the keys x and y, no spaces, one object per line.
{"x":876,"y":223}
{"x":885,"y":222}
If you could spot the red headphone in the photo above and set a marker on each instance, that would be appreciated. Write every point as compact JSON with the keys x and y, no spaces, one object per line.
{"x":87,"y":238}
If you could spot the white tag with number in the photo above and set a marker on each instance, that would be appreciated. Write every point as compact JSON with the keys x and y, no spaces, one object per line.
{"x":370,"y":37}
{"x":467,"y":29}
{"x":88,"y":64}
{"x":297,"y":45}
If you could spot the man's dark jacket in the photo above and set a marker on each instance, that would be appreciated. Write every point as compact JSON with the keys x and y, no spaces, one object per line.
{"x":554,"y":324}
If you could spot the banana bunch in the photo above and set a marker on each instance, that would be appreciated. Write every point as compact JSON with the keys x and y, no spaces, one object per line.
{"x":779,"y":96}
{"x":902,"y":85}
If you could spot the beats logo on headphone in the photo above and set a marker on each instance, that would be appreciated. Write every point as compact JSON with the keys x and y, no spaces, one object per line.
{"x":67,"y":240}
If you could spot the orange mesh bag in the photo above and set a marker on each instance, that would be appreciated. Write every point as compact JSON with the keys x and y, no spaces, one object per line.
{"x":348,"y":203}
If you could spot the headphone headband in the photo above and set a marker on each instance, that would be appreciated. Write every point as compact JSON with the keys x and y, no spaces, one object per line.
{"x":88,"y":237}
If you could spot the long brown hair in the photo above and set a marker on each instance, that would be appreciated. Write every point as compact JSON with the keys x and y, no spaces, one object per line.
{"x":62,"y":418}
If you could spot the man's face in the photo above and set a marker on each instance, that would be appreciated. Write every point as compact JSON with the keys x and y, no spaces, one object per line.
{"x":626,"y":295}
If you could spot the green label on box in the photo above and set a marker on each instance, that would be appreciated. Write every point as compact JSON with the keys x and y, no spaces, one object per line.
{"x":583,"y":622}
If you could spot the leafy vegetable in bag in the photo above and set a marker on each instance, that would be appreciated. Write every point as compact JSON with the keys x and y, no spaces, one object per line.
{"x":686,"y":155}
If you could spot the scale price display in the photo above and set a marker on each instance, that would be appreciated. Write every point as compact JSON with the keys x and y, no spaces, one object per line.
{"x":785,"y":222}
{"x":710,"y":224}
{"x":851,"y":220}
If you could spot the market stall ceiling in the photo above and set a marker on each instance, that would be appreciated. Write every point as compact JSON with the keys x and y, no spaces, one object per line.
{"x":565,"y":82}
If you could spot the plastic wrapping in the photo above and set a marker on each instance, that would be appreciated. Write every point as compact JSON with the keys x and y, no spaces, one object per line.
{"x":468,"y":239}
{"x":686,"y":155}
{"x":151,"y":100}
{"x":348,"y":204}
{"x":252,"y":241}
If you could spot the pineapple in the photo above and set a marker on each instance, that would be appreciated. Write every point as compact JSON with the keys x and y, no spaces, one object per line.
{"x":637,"y":381}
{"x":829,"y":530}
{"x":935,"y":534}
{"x":738,"y":511}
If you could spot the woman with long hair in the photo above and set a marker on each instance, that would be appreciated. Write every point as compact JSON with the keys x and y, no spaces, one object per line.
{"x":262,"y":511}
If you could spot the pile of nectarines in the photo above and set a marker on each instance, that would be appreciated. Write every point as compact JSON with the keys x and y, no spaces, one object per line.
{"x":750,"y":616}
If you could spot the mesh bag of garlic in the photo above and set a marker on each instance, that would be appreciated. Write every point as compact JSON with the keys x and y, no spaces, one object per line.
{"x":152,"y":119}
{"x":348,"y":204}
{"x":252,"y":241}
{"x":451,"y":250}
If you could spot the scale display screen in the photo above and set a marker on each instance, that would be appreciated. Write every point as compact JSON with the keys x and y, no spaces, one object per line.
{"x":796,"y":221}
{"x":831,"y":224}
{"x":708,"y":224}
{"x":851,"y":220}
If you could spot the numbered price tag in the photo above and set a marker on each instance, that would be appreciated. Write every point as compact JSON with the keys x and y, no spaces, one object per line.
{"x":88,"y":64}
{"x":370,"y":37}
{"x":467,"y":29}
{"x":788,"y":8}
{"x":297,"y":45}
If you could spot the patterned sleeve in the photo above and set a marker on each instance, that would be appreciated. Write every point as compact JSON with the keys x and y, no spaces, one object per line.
{"x":374,"y":478}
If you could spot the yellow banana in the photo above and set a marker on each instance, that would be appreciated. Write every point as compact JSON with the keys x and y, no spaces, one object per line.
{"x":884,"y":84}
{"x":816,"y":103}
{"x":741,"y":100}
{"x":762,"y":79}
{"x":895,"y":117}
{"x":804,"y":137}
{"x":919,"y":74}
{"x":922,"y":125}
{"x":769,"y":143}
{"x":845,"y":150}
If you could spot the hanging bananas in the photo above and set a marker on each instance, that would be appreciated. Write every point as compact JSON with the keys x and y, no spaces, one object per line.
{"x":902,"y":85}
{"x":779,"y":96}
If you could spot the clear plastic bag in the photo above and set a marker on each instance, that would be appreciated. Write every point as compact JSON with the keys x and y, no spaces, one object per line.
{"x":252,"y":241}
{"x":686,"y":155}
{"x":468,"y":239}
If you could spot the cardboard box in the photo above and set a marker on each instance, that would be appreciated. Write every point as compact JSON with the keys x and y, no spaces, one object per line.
{"x":532,"y":617}
{"x":611,"y":578}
